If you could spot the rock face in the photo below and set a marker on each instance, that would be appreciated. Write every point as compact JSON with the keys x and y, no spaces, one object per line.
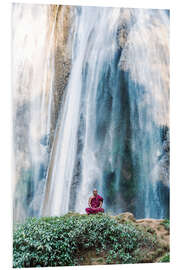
{"x":125,"y":217}
{"x":154,"y":226}
{"x":61,"y":17}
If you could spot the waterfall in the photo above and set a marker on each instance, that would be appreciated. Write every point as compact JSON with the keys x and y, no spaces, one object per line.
{"x":108,"y":95}
{"x":34,"y":53}
{"x":111,"y":129}
{"x":30,"y":64}
{"x":89,"y":58}
{"x":148,"y":87}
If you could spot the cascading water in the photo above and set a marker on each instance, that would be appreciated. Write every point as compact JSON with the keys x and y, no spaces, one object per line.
{"x":89,"y":60}
{"x":30,"y":61}
{"x":148,"y":89}
{"x":104,"y":103}
{"x":112,"y":131}
{"x":33,"y":50}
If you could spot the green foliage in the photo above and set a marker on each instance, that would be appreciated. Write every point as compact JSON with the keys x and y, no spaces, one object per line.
{"x":60,"y":241}
{"x":166,"y":224}
{"x":166,"y":258}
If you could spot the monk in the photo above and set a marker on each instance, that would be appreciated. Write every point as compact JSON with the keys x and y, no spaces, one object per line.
{"x":95,"y":203}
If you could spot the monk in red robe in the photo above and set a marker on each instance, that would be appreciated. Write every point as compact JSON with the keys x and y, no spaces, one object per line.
{"x":95,"y":203}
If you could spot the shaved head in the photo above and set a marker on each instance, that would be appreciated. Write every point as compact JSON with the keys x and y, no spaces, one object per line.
{"x":95,"y":192}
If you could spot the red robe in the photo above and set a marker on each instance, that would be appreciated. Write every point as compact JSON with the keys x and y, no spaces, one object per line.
{"x":95,"y":202}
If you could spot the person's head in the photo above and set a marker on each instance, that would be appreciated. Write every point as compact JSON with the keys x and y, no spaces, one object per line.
{"x":95,"y":192}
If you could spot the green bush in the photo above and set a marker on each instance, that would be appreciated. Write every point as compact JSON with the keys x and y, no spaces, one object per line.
{"x":60,"y":241}
{"x":166,"y":224}
{"x":166,"y":258}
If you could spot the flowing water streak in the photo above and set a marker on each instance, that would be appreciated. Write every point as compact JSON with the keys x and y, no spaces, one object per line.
{"x":47,"y":99}
{"x":146,"y":57}
{"x":99,"y":61}
{"x":31,"y":64}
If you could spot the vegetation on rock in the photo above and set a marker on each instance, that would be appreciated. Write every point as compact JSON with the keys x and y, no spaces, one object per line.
{"x":75,"y":239}
{"x":165,"y":258}
{"x":166,"y":224}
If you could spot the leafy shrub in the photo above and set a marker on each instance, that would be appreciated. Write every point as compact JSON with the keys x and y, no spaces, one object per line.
{"x":166,"y":224}
{"x":166,"y":258}
{"x":60,"y":241}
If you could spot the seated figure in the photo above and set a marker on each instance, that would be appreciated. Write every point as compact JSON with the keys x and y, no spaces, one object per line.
{"x":95,"y":203}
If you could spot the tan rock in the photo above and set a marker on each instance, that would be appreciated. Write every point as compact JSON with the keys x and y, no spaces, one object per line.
{"x":125,"y":217}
